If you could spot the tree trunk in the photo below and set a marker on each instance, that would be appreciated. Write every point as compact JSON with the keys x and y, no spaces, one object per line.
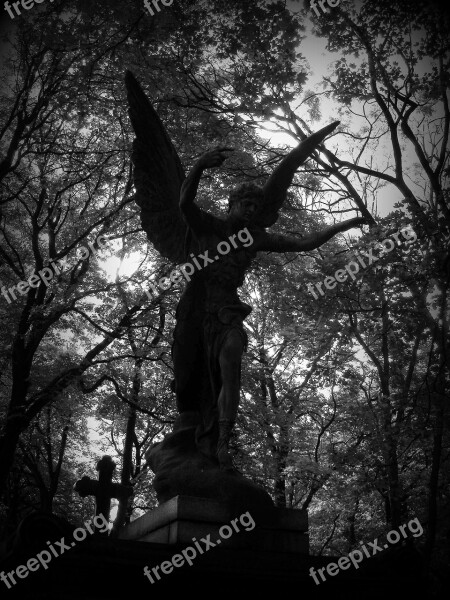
{"x":8,"y":444}
{"x":280,"y":486}
{"x":56,"y":474}
{"x":394,"y":485}
{"x":434,"y":479}
{"x":281,"y":455}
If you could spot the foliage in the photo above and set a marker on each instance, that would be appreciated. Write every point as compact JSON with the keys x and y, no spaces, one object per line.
{"x":344,"y":406}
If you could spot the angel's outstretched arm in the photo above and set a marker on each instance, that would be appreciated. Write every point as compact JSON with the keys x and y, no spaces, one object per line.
{"x":282,"y":176}
{"x":193,"y":216}
{"x":284,"y":243}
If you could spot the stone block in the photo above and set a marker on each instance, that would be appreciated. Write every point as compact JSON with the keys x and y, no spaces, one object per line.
{"x":183,"y":518}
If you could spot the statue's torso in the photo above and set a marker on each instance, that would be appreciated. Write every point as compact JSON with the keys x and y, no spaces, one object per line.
{"x":215,"y":286}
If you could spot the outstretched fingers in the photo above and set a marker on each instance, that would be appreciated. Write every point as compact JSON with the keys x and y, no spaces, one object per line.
{"x":316,"y":138}
{"x":215,"y":157}
{"x":329,"y":128}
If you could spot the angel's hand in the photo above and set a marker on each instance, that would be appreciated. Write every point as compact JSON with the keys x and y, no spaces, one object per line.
{"x":213,"y":158}
{"x":358,"y":221}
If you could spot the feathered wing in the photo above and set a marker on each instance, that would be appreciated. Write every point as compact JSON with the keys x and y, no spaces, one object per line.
{"x":277,"y":185}
{"x":158,"y":176}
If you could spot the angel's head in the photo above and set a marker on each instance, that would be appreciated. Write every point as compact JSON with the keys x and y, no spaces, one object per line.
{"x":245,"y":200}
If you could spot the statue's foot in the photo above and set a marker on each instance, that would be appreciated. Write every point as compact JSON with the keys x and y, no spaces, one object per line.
{"x":181,"y":469}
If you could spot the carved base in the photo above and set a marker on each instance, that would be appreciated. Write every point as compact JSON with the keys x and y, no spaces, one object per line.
{"x":181,"y":470}
{"x":182,"y":519}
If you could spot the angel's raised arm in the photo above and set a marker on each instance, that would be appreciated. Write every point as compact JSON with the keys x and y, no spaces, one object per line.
{"x":195,"y":218}
{"x":282,"y":176}
{"x":277,"y":185}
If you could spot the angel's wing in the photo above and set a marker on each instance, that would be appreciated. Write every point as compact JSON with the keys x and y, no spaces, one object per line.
{"x":279,"y":182}
{"x":158,"y":176}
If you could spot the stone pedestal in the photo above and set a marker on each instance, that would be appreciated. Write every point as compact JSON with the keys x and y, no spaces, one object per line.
{"x":103,"y":568}
{"x":184,"y":517}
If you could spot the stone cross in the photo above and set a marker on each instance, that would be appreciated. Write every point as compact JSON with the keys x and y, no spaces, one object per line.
{"x":104,"y":489}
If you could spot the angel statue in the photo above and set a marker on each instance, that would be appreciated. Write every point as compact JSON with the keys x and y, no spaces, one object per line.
{"x":209,"y":337}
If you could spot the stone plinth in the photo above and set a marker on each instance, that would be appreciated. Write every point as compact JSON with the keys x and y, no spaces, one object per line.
{"x":185,"y":517}
{"x":103,"y":568}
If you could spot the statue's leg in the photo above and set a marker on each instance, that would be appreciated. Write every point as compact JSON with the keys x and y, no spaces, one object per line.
{"x":230,"y":367}
{"x":187,"y":356}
